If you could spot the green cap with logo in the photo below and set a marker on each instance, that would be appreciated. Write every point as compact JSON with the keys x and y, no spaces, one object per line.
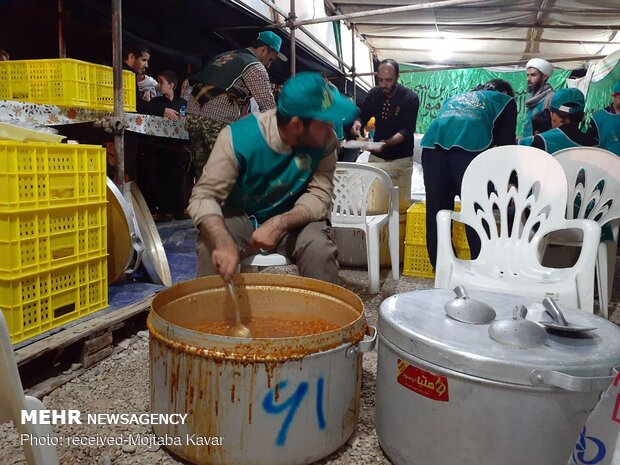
{"x":616,"y":90}
{"x":308,"y":96}
{"x":568,"y":100}
{"x":273,"y":41}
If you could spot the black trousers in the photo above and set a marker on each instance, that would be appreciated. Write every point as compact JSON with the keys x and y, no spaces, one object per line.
{"x":443,"y":176}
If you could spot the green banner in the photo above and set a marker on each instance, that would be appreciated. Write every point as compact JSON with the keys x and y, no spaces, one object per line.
{"x":433,"y":87}
{"x":599,"y":93}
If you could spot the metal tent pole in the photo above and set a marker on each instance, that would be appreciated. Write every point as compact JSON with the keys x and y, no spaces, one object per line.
{"x":62,"y":49}
{"x":381,"y":11}
{"x":483,"y":65}
{"x":291,"y":18}
{"x":353,"y":74}
{"x":117,"y":64}
{"x":309,"y":34}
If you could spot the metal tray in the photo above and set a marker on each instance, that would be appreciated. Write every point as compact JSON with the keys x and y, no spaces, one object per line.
{"x":154,"y":257}
{"x":124,"y":241}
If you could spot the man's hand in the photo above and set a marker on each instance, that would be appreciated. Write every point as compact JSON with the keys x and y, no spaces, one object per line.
{"x":268,"y":235}
{"x":225,"y":261}
{"x":224,"y":251}
{"x":171,"y":114}
{"x":378,"y":150}
{"x":356,"y":128}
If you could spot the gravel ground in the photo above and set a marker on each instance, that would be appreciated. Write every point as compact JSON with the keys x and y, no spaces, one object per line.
{"x":120,"y":384}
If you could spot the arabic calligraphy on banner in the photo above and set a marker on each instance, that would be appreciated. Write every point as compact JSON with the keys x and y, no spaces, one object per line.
{"x":422,"y":382}
{"x":50,"y":115}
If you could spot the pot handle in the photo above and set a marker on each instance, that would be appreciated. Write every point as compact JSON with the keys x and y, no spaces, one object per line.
{"x":571,"y":383}
{"x":365,"y":345}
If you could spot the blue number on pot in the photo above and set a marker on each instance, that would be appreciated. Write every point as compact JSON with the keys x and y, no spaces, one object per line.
{"x":291,"y":405}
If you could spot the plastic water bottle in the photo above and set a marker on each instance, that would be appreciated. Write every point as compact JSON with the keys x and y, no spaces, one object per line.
{"x":182,"y":111}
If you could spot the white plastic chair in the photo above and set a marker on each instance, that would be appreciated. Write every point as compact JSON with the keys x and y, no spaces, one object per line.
{"x":264,"y":260}
{"x":594,"y":193}
{"x":531,"y":183}
{"x":352,"y":182}
{"x":13,"y":401}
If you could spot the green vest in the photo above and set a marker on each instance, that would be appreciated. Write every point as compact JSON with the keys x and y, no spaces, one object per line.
{"x":608,"y":126}
{"x":556,"y":140}
{"x":466,"y":121}
{"x":527,"y":124}
{"x":269,"y":182}
{"x":526,"y":141}
{"x":220,"y":74}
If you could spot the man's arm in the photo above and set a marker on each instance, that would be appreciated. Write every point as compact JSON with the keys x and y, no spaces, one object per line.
{"x":539,"y":143}
{"x":313,"y":205}
{"x":256,"y":79}
{"x":506,"y":125}
{"x":212,"y":189}
{"x":366,"y":112}
{"x":408,"y":117}
{"x":224,"y":252}
{"x":593,"y":130}
{"x":268,"y":235}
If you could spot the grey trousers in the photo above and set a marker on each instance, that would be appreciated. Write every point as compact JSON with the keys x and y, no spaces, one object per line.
{"x":310,"y":248}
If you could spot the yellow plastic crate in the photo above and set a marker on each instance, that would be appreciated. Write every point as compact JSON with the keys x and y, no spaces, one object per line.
{"x":416,"y":226}
{"x":64,"y":82}
{"x":416,"y":261}
{"x":35,"y":175}
{"x":37,"y":240}
{"x":39,"y":302}
{"x":418,"y":264}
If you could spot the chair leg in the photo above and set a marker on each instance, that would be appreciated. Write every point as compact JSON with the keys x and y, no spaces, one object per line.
{"x":372,"y":256}
{"x":39,"y":454}
{"x":393,"y":239}
{"x":602,"y":280}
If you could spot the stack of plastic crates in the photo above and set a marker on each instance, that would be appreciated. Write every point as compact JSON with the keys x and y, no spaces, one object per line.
{"x":64,"y":82}
{"x":53,"y":243}
{"x":416,"y":261}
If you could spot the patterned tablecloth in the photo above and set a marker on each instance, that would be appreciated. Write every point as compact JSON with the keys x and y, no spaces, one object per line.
{"x":50,"y":115}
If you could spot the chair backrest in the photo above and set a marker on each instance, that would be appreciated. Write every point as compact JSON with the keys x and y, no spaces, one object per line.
{"x":352,"y":183}
{"x":593,"y":183}
{"x":512,"y":196}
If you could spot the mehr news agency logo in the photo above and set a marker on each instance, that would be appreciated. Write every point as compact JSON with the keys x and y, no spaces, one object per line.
{"x":75,"y":417}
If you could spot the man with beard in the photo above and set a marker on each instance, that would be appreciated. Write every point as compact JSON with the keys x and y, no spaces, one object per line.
{"x":268,"y":184}
{"x":540,"y":93}
{"x":221,"y":92}
{"x":395,"y":108}
{"x":605,"y":124}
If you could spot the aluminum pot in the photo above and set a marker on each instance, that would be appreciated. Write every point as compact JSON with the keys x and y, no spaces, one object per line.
{"x":447,"y":393}
{"x":277,"y":401}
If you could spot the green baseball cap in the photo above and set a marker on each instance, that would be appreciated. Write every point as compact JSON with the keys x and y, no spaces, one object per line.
{"x":273,"y":41}
{"x":307,"y":95}
{"x":616,"y":91}
{"x":568,"y":100}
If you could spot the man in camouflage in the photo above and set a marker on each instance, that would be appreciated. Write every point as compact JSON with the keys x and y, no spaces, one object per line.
{"x":221,"y":92}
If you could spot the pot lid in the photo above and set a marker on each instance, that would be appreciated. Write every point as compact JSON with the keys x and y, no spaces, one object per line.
{"x":417,"y":323}
{"x":121,"y":230}
{"x":154,"y":259}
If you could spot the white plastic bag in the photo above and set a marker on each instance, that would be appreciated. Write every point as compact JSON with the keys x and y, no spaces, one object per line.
{"x":598,"y":443}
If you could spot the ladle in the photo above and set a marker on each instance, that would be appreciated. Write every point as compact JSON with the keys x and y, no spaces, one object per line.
{"x":468,"y":310}
{"x":518,"y":332}
{"x":239,"y":329}
{"x":559,"y":323}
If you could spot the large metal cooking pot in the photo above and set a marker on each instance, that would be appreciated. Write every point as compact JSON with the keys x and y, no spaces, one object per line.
{"x":276,"y":401}
{"x":447,"y":393}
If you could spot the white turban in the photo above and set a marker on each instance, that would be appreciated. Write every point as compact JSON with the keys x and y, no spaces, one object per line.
{"x":541,"y":65}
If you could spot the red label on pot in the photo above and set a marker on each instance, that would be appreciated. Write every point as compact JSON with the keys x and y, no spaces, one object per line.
{"x":423,"y":382}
